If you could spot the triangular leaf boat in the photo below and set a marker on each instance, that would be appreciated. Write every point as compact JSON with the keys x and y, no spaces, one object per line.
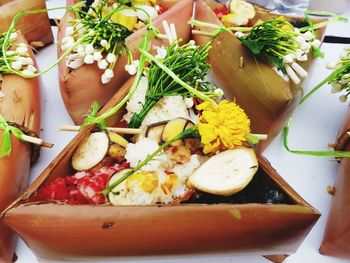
{"x":268,"y":99}
{"x":81,"y":87}
{"x":21,"y":106}
{"x":239,"y":224}
{"x":336,"y":239}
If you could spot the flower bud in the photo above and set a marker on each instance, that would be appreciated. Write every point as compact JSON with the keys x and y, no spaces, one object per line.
{"x":69,"y":31}
{"x":111,"y":58}
{"x":16,"y":65}
{"x":343,"y":98}
{"x":89,"y":49}
{"x":336,"y":87}
{"x":102,"y":64}
{"x":89,"y":59}
{"x":308,"y":35}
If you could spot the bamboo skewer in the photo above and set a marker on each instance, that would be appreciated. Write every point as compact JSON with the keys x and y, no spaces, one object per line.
{"x":112,"y":129}
{"x":260,"y":136}
{"x":202,"y":33}
{"x":73,"y":128}
{"x":36,"y":141}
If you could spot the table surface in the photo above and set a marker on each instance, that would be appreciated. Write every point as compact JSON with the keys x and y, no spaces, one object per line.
{"x":315,"y":125}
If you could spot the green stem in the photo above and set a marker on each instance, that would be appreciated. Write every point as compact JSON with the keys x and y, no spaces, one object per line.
{"x":336,"y":154}
{"x":323,"y":82}
{"x":115,"y":109}
{"x":198,"y":23}
{"x":176,"y":78}
{"x":184,"y":134}
{"x":6,"y":43}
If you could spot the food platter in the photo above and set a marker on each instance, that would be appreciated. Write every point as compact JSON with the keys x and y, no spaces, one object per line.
{"x":285,"y":163}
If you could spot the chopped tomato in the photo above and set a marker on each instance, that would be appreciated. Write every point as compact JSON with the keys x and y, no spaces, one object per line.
{"x":162,"y":9}
{"x":81,"y":188}
{"x":220,"y":12}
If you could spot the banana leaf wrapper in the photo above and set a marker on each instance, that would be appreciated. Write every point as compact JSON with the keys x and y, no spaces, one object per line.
{"x":336,"y":241}
{"x":267,"y":98}
{"x":57,"y":231}
{"x":80,"y":87}
{"x":21,"y":106}
{"x":36,"y":28}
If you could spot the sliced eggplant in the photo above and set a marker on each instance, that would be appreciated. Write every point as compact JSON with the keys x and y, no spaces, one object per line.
{"x":154,"y":132}
{"x":226,"y":173}
{"x":173,"y":128}
{"x":118,"y":196}
{"x":91,"y":151}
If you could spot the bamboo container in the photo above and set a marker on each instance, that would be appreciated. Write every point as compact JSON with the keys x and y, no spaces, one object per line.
{"x":266,"y":97}
{"x":55,"y":231}
{"x":336,"y":241}
{"x":35,"y":28}
{"x":80,"y":87}
{"x":20,"y":105}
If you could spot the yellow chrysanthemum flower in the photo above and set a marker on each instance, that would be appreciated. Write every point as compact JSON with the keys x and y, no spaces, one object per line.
{"x":223,"y":126}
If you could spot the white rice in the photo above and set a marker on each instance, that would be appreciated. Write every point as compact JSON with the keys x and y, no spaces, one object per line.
{"x":167,"y":108}
{"x":138,"y":152}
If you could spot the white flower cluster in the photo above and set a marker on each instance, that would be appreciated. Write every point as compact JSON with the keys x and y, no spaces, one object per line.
{"x":342,"y":81}
{"x":305,"y":42}
{"x":20,"y":59}
{"x":85,"y":53}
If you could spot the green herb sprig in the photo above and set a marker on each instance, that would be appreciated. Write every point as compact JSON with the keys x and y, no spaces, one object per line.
{"x":96,"y":25}
{"x":100,"y":120}
{"x":188,"y":68}
{"x":7,"y":129}
{"x":190,"y":132}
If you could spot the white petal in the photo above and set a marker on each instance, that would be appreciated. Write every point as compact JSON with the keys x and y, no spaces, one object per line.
{"x":103,"y":43}
{"x":316,"y":43}
{"x":102,"y":64}
{"x":89,"y":59}
{"x":76,"y":63}
{"x":305,"y":46}
{"x":22,"y":50}
{"x":69,"y":31}
{"x":104,"y":79}
{"x":10,"y":52}
{"x":89,"y":49}
{"x":300,"y":40}
{"x":152,"y":12}
{"x":331,"y":65}
{"x":111,"y":58}
{"x":97,"y":56}
{"x":343,"y":98}
{"x":239,"y":34}
{"x":288,"y":59}
{"x":27,"y":72}
{"x":16,"y":65}
{"x":336,"y":87}
{"x":32,"y":68}
{"x":13,"y":36}
{"x":109,"y":73}
{"x":308,"y":35}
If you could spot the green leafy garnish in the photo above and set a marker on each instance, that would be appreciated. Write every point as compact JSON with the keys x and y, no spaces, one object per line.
{"x":188,"y":63}
{"x":191,"y":132}
{"x":5,"y":147}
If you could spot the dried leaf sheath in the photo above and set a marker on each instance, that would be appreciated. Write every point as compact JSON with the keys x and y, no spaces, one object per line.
{"x":144,"y":230}
{"x":36,"y":28}
{"x":267,"y":98}
{"x":336,"y":239}
{"x":20,"y":104}
{"x":80,"y":87}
